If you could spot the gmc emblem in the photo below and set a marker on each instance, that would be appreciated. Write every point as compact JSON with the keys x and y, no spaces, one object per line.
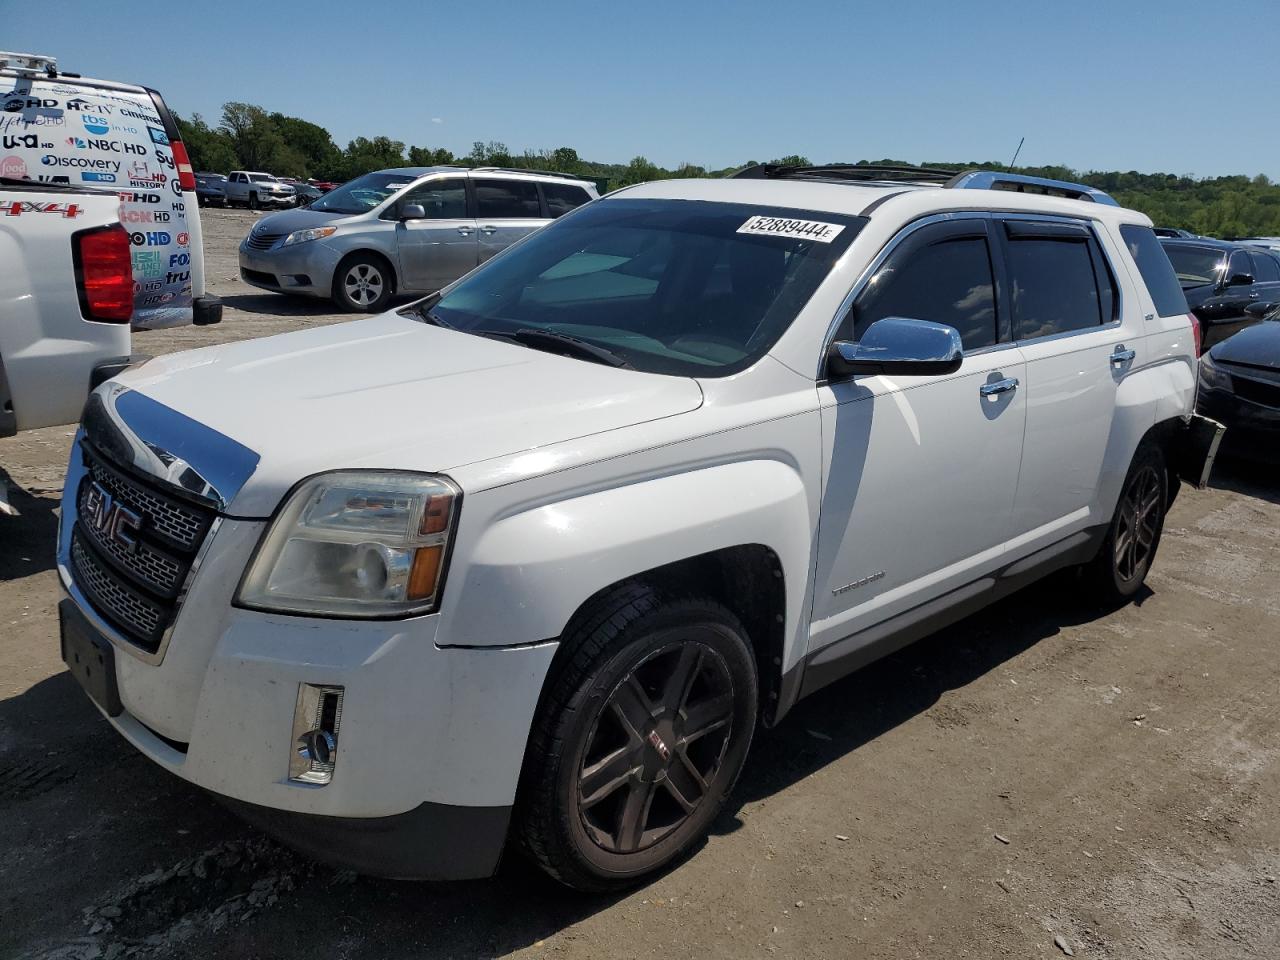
{"x":111,"y":519}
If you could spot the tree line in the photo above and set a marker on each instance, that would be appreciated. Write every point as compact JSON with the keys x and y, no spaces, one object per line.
{"x":250,"y":138}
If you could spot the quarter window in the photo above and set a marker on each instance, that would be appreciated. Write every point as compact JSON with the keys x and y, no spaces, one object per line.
{"x":1054,"y":281}
{"x":505,"y":199}
{"x":1157,"y":272}
{"x":1265,"y":267}
{"x":562,"y":197}
{"x":947,"y":281}
{"x":441,"y":199}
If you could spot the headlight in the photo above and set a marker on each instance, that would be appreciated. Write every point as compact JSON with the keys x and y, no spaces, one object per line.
{"x":302,"y":236}
{"x":1211,"y":378}
{"x":356,"y":543}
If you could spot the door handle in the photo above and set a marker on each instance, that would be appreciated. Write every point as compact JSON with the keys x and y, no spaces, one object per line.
{"x":488,"y":231}
{"x":465,"y":231}
{"x":997,"y":387}
{"x":1254,"y":296}
{"x":1120,"y":355}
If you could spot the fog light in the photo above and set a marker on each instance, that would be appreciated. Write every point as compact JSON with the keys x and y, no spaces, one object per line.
{"x":316,"y":719}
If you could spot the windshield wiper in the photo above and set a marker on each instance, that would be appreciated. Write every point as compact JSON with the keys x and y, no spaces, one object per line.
{"x":536,"y":339}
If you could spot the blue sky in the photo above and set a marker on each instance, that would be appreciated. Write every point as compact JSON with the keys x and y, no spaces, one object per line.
{"x":1116,"y":85}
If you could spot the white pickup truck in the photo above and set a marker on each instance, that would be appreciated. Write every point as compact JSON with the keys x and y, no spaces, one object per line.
{"x":66,"y":298}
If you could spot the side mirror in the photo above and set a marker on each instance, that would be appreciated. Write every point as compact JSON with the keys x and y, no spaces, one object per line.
{"x":1259,"y":311}
{"x":413,"y":211}
{"x":897,"y":345}
{"x":1240,"y":280}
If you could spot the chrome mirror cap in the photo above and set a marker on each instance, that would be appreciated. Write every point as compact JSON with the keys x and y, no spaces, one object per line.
{"x":898,"y":345}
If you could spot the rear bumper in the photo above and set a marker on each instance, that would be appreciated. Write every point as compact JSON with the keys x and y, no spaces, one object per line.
{"x":434,"y":841}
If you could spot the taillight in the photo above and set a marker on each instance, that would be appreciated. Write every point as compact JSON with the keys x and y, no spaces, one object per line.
{"x":1195,"y":331}
{"x":186,"y":176}
{"x":104,"y":273}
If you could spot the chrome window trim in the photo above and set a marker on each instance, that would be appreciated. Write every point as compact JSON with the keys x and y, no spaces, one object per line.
{"x":951,"y":215}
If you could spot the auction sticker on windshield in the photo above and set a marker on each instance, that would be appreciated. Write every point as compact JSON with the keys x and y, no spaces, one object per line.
{"x":785,"y":227}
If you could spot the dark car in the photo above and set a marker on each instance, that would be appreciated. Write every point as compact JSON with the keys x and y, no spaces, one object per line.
{"x":1221,"y":280}
{"x":1240,"y":387}
{"x":1173,"y":232}
{"x":211,"y":189}
{"x":305,"y":193}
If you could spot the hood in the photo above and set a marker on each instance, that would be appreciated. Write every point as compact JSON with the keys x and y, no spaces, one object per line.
{"x":393,"y":393}
{"x":1255,"y":346}
{"x":301,"y":218}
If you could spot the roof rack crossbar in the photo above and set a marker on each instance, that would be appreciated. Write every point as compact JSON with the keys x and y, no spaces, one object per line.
{"x":1020,"y":183}
{"x":845,"y":171}
{"x":543,"y":173}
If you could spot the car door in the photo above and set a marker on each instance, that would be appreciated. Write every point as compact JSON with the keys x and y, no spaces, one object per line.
{"x":920,"y":471}
{"x":435,"y":249}
{"x":1266,"y":277}
{"x":506,"y":210}
{"x":1080,"y":342}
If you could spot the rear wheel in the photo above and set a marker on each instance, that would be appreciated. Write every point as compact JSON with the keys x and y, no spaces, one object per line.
{"x":1122,"y":564}
{"x":641,"y":737}
{"x":362,"y":284}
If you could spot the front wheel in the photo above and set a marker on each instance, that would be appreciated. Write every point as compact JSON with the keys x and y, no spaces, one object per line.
{"x":640,"y":739}
{"x":253,"y":201}
{"x":362,"y":284}
{"x":1122,"y":564}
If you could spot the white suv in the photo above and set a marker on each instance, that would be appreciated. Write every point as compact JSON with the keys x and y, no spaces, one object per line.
{"x":532,"y":557}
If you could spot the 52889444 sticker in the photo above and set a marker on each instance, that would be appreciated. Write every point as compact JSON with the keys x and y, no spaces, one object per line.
{"x":786,"y":227}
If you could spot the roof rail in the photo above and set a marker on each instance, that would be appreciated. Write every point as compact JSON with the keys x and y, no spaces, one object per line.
{"x":845,"y":171}
{"x":542,"y":173}
{"x":28,"y":63}
{"x":1019,"y":183}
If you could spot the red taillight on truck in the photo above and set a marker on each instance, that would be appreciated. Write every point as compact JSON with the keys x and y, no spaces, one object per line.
{"x":104,"y":273}
{"x":186,"y":176}
{"x":1195,"y":331}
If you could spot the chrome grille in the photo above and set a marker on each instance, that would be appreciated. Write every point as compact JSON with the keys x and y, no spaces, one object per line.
{"x":261,"y":240}
{"x":184,"y":526}
{"x":135,"y":583}
{"x":153,"y":568}
{"x":142,"y":618}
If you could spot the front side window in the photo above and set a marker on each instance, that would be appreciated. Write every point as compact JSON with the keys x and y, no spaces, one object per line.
{"x":440,"y":199}
{"x":683,"y":287}
{"x":1238,"y":264}
{"x":946,"y":280}
{"x":1057,"y":280}
{"x":507,"y":199}
{"x":563,"y":197}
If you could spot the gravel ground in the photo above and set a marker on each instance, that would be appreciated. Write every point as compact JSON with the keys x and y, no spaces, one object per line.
{"x":1041,"y":776}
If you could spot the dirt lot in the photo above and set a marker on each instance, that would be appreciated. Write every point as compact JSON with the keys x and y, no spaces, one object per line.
{"x":1041,"y":771}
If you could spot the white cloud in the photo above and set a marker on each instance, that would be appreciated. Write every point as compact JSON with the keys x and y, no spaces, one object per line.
{"x":437,"y":119}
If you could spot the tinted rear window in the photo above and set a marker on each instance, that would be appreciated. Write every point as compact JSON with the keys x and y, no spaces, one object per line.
{"x":1157,"y":272}
{"x":1054,"y":287}
{"x":504,"y":199}
{"x":1265,"y":267}
{"x":562,"y":197}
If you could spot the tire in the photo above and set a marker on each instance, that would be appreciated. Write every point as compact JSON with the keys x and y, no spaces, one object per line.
{"x":253,"y":201}
{"x":363,"y":284}
{"x":1121,"y":566}
{"x":640,"y":737}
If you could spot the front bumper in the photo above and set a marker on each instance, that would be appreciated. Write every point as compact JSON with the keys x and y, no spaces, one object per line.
{"x":305,"y":268}
{"x":1252,"y":428}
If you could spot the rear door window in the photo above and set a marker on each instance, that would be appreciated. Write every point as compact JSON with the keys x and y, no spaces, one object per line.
{"x":1057,"y":279}
{"x":941,"y":273}
{"x":507,"y":199}
{"x":1156,"y":270}
{"x":1266,"y":269}
{"x":563,"y":197}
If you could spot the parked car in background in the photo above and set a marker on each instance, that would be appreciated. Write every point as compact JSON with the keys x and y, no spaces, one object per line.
{"x":1172,"y":232}
{"x":1240,"y":387}
{"x":1270,"y":243}
{"x":324,"y":186}
{"x":406,"y":230}
{"x":305,"y":193}
{"x":67,"y":291}
{"x":1220,"y":279}
{"x":66,"y":129}
{"x":211,"y":189}
{"x":533,"y":558}
{"x":253,"y":190}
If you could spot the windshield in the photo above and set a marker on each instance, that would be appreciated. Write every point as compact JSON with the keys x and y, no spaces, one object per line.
{"x":1194,"y":265}
{"x":363,"y":193}
{"x":665,"y":286}
{"x":261,"y":177}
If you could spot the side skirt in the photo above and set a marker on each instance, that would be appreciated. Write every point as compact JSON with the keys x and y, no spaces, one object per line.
{"x":854,"y":652}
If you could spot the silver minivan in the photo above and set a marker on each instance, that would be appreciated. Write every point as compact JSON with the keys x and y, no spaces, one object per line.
{"x":407,"y":230}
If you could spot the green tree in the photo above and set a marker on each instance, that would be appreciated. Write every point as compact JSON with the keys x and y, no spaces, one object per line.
{"x":311,"y":143}
{"x":255,"y":139}
{"x":364,"y":155}
{"x":426,"y":157}
{"x":207,"y":148}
